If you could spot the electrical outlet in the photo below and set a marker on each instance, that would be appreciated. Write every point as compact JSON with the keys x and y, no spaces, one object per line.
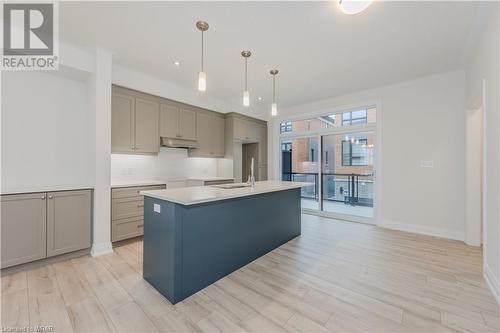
{"x":427,"y":164}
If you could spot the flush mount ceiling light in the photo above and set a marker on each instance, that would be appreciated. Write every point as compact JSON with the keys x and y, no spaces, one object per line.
{"x":274,"y":106}
{"x":352,"y":7}
{"x":246,"y":94}
{"x":202,"y":76}
{"x":177,"y":63}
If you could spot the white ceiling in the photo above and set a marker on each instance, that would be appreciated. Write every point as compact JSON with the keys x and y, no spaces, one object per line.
{"x":319,"y":51}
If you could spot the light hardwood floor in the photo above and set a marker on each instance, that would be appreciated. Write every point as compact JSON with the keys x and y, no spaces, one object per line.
{"x":336,"y":277}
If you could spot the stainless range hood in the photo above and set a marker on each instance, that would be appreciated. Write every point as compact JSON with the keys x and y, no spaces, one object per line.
{"x":178,"y":143}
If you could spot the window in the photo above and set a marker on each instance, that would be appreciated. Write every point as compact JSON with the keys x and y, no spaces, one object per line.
{"x":285,"y":127}
{"x":354,"y":153}
{"x":354,"y":118}
{"x":286,"y":146}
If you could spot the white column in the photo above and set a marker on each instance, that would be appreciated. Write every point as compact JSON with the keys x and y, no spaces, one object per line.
{"x":100,"y":92}
{"x":473,"y":176}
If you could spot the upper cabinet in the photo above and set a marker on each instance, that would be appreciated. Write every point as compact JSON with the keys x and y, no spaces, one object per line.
{"x":147,"y":139}
{"x":210,"y":131}
{"x":246,"y":130}
{"x":177,"y":122}
{"x":134,"y":123}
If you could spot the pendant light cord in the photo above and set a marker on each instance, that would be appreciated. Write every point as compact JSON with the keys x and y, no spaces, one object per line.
{"x":246,"y":74}
{"x":274,"y":88}
{"x":202,"y":51}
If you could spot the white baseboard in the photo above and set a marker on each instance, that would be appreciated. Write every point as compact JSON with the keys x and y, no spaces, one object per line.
{"x":492,"y":282}
{"x":424,"y":230}
{"x":100,"y":249}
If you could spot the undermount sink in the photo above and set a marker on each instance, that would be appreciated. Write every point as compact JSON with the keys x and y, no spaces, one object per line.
{"x":231,"y":186}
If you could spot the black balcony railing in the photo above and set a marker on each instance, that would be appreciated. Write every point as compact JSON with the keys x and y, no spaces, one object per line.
{"x":354,"y":189}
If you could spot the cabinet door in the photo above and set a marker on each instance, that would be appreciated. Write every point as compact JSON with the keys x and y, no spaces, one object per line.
{"x":240,"y":129}
{"x":263,"y":145}
{"x":205,"y":136}
{"x":147,"y":139}
{"x":23,"y":223}
{"x":122,"y":123}
{"x":218,"y":136}
{"x":169,"y":121}
{"x":187,"y":124}
{"x":68,"y":221}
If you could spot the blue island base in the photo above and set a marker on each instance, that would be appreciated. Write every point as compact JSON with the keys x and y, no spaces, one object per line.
{"x":187,"y":248}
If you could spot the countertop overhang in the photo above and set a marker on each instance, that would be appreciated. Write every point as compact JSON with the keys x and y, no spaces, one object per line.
{"x":202,"y":194}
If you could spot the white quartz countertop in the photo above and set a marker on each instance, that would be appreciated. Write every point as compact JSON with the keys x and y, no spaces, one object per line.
{"x":48,"y":188}
{"x":133,"y":183}
{"x":201,"y":194}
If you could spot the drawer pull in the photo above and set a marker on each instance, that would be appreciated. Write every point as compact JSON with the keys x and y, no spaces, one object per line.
{"x":140,"y":225}
{"x":140,"y":205}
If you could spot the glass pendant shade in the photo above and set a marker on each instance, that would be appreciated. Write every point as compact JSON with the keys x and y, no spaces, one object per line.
{"x":351,"y":7}
{"x":274,"y":109}
{"x":202,"y":81}
{"x":246,"y":98}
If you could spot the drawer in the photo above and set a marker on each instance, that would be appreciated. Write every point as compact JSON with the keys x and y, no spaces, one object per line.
{"x":130,"y":192}
{"x":127,"y":207}
{"x":218,"y":182}
{"x":127,"y":228}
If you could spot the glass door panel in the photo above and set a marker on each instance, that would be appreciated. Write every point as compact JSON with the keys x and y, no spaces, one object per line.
{"x":347,"y":174}
{"x":300,"y":163}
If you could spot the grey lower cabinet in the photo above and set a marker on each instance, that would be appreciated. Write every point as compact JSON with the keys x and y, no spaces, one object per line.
{"x":39,"y":225}
{"x":69,"y":218}
{"x":127,"y":211}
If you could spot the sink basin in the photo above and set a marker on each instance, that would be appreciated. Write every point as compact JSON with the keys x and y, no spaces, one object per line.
{"x":231,"y":186}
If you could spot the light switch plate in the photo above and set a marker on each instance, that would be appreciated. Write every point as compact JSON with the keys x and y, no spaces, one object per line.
{"x":427,"y":164}
{"x":157,"y":208}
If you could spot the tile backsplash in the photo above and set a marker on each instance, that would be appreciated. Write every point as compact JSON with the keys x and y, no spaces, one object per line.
{"x":171,"y":164}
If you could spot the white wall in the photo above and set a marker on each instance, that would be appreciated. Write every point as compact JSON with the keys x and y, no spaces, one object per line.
{"x":46,"y":130}
{"x":171,"y":165}
{"x":422,"y":119}
{"x":484,"y":73}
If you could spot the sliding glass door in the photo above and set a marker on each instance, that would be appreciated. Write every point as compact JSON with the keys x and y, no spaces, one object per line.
{"x":347,"y":174}
{"x":300,"y":163}
{"x":335,"y":153}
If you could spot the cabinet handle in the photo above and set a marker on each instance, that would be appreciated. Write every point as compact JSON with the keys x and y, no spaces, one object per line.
{"x":140,"y":225}
{"x":140,"y":205}
{"x":51,"y":197}
{"x":43,"y":197}
{"x":179,"y":136}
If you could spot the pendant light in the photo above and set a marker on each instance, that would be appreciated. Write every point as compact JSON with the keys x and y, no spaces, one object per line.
{"x":274,"y":106}
{"x":246,"y":94}
{"x":351,"y":7}
{"x":202,"y":76}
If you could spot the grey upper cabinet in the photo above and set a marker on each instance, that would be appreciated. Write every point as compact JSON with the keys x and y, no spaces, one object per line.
{"x":210,"y":133}
{"x":147,"y":139}
{"x":68,"y":221}
{"x":122,"y":123}
{"x":177,"y":122}
{"x":245,"y":130}
{"x":134,"y":123}
{"x":187,"y":124}
{"x":169,"y":121}
{"x":23,"y":228}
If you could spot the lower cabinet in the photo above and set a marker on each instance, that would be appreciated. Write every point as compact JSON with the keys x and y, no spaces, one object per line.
{"x":68,"y":221}
{"x":127,"y":211}
{"x":23,"y":228}
{"x":40,"y":225}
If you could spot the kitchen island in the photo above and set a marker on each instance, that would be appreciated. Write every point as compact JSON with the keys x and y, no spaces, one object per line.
{"x":194,"y":236}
